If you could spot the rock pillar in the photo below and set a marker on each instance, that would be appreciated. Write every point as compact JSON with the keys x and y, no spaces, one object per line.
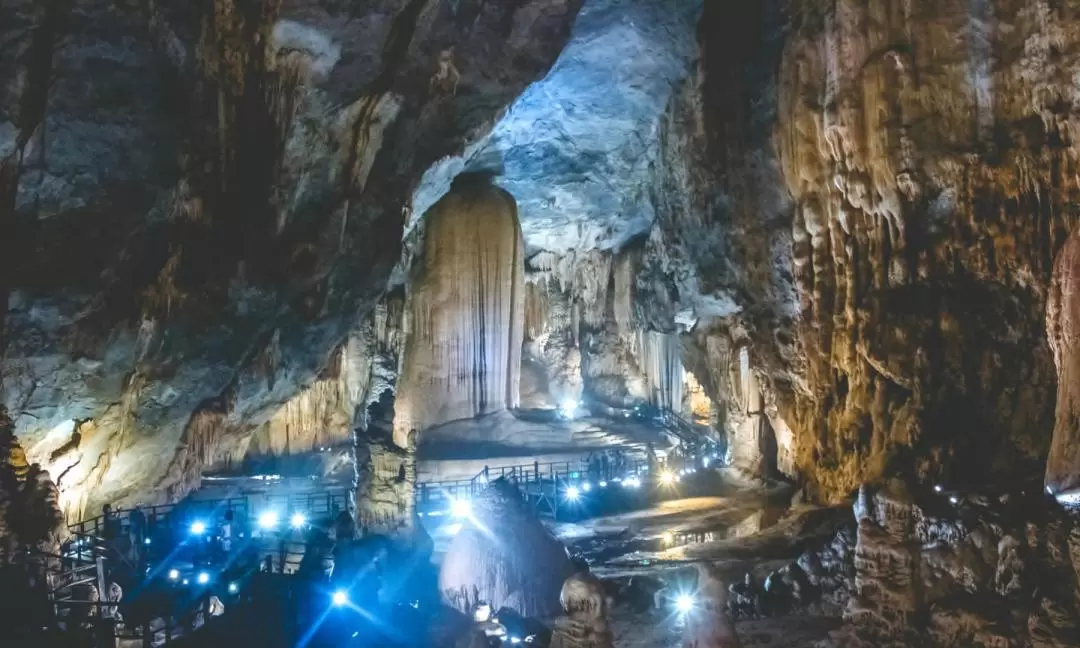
{"x":464,"y":318}
{"x":1063,"y":332}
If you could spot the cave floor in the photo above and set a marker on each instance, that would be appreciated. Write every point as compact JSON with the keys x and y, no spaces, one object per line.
{"x":743,"y":528}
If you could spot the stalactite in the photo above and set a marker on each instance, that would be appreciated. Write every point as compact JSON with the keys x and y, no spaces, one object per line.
{"x":320,"y":416}
{"x":465,"y":314}
{"x":537,"y":309}
{"x":660,"y":358}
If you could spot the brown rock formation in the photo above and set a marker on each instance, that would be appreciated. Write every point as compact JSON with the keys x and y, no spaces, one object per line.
{"x":465,"y":312}
{"x":878,"y":222}
{"x":585,"y":624}
{"x":1063,"y":330}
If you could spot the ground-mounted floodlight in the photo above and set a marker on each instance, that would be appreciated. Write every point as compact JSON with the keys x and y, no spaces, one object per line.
{"x":568,"y":408}
{"x":297,"y":521}
{"x":268,"y":520}
{"x":146,"y":541}
{"x":174,"y":574}
{"x":203,"y":578}
{"x":573,"y":493}
{"x":460,"y":508}
{"x":586,"y":487}
{"x":684,"y":603}
{"x":667,"y":478}
{"x":603,"y":484}
{"x":233,"y":588}
{"x":198,"y":527}
{"x":339,"y":598}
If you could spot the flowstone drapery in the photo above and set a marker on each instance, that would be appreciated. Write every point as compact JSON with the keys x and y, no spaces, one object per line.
{"x":464,"y":318}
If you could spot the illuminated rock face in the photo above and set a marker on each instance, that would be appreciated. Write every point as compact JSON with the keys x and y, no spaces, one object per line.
{"x":505,"y":557}
{"x":465,"y":310}
{"x":179,"y":277}
{"x":1063,"y":330}
{"x":876,"y":192}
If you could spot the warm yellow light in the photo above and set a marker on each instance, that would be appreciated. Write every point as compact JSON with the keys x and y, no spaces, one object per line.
{"x":667,"y":477}
{"x":668,"y":537}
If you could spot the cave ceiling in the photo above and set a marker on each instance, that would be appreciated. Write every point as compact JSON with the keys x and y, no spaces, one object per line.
{"x":576,"y":148}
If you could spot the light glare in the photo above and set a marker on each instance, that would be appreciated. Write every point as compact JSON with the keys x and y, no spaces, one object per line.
{"x":268,"y":520}
{"x":684,"y":603}
{"x":297,"y":521}
{"x":572,"y":493}
{"x":340,"y":598}
{"x":461,"y":508}
{"x":198,"y":527}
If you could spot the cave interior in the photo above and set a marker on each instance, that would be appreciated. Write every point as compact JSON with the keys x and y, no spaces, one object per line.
{"x":383,"y":244}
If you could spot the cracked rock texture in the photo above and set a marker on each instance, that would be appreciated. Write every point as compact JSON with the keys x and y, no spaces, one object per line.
{"x":204,"y":198}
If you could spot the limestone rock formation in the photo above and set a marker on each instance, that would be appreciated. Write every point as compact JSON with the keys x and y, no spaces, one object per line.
{"x":708,"y":626}
{"x":870,"y":197}
{"x":1063,"y":330}
{"x":503,"y":556}
{"x":955,"y":569}
{"x":199,"y":201}
{"x":585,"y":624}
{"x":465,"y":310}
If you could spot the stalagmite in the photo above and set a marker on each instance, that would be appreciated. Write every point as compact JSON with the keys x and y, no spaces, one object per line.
{"x":708,"y":626}
{"x":465,"y":311}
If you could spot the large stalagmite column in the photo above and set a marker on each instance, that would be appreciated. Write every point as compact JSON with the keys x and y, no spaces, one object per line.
{"x":464,"y":319}
{"x":1063,"y":331}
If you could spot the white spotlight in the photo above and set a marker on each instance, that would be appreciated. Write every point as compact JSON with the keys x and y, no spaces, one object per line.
{"x":603,"y":484}
{"x":233,"y":588}
{"x":684,"y":603}
{"x":572,"y":493}
{"x":938,"y":488}
{"x":569,"y":408}
{"x":953,"y":499}
{"x":146,"y":541}
{"x":268,"y":520}
{"x":297,"y":521}
{"x":174,"y":574}
{"x":461,"y":508}
{"x":586,"y":487}
{"x":198,"y":527}
{"x":667,"y":477}
{"x":340,"y":598}
{"x":204,"y":578}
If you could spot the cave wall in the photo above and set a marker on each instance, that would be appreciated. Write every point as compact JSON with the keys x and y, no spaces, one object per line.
{"x":193,"y":188}
{"x":465,"y":311}
{"x":928,"y":148}
{"x":870,"y":195}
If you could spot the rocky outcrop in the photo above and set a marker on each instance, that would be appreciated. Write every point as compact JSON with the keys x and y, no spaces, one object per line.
{"x":586,"y":622}
{"x":504,"y":557}
{"x":179,"y":276}
{"x":954,"y":569}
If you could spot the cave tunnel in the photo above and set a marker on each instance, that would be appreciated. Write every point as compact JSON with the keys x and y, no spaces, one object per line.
{"x":621,"y":319}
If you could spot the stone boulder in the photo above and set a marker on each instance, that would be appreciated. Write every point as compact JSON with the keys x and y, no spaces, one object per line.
{"x":505,"y":557}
